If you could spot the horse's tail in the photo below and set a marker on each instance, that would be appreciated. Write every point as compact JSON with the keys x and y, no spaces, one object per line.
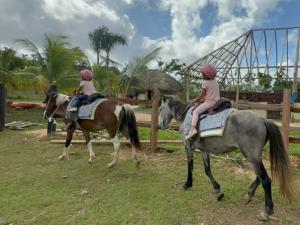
{"x":279,"y":159}
{"x":129,"y":123}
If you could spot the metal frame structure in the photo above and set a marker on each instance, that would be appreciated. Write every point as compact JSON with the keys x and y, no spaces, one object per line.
{"x":266,"y":51}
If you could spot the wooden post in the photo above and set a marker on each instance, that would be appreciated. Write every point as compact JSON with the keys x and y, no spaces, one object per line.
{"x":2,"y":106}
{"x":286,"y":113}
{"x":154,"y":120}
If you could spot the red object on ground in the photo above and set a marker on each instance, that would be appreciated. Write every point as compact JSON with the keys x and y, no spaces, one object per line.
{"x":26,"y":105}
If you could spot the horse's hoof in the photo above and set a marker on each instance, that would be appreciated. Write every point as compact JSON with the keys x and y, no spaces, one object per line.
{"x":186,"y":186}
{"x":265,"y":217}
{"x":248,"y":199}
{"x":91,"y":160}
{"x":111,"y":165}
{"x":61,"y":157}
{"x":137,"y":163}
{"x":220,"y":196}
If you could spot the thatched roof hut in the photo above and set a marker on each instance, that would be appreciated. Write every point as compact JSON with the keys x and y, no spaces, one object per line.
{"x":153,"y":79}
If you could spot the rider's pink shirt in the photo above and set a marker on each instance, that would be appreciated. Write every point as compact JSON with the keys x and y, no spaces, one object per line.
{"x":212,"y":90}
{"x":88,"y":87}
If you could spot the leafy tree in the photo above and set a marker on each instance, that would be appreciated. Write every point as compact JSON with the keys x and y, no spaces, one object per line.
{"x":109,"y":42}
{"x":103,"y":40}
{"x":264,"y":81}
{"x":56,"y":58}
{"x":9,"y":64}
{"x":107,"y":79}
{"x":96,"y":39}
{"x":281,"y":82}
{"x":172,"y":66}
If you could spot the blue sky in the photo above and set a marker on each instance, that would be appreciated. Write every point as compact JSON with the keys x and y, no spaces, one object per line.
{"x":186,"y":29}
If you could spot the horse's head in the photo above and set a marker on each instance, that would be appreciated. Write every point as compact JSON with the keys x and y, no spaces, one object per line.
{"x":166,"y":113}
{"x":53,"y":101}
{"x":50,"y":102}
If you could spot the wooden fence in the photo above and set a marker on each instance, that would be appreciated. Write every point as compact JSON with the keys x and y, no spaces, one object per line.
{"x":285,"y":108}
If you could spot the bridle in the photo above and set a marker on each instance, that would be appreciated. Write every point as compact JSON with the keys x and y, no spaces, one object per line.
{"x":163,"y":116}
{"x":180,"y":117}
{"x":57,"y":107}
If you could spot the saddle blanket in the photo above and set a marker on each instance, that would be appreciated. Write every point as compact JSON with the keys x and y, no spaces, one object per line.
{"x":209,"y":125}
{"x":86,"y":112}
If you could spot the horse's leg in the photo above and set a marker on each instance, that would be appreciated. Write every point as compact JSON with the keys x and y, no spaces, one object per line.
{"x":190,"y":158}
{"x":89,"y":146}
{"x":70,"y":131}
{"x":116,"y":143}
{"x":266,"y":183}
{"x":206,"y":162}
{"x":251,"y":190}
{"x":134,"y":157}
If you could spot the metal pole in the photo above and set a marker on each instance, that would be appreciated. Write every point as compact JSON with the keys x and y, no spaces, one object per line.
{"x":237,"y":94}
{"x":187,"y":80}
{"x":294,"y":88}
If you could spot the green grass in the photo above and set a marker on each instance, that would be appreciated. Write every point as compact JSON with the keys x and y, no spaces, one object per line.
{"x":14,"y":95}
{"x":35,"y":188}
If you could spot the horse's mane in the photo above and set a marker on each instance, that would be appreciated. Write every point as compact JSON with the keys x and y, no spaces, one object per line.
{"x":61,"y":99}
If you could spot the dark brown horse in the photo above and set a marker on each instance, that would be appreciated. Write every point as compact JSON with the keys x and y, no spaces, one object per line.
{"x":110,"y":114}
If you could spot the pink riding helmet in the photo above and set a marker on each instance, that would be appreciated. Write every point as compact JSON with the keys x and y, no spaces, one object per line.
{"x":86,"y":75}
{"x":209,"y":70}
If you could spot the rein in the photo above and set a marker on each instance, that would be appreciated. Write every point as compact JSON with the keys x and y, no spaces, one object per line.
{"x":57,"y":107}
{"x":180,"y":117}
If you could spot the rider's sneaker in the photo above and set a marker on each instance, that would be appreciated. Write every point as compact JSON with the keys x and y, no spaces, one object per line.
{"x":72,"y":109}
{"x":191,"y":134}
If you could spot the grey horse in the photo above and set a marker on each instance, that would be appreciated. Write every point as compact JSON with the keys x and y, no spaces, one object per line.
{"x":247,"y":132}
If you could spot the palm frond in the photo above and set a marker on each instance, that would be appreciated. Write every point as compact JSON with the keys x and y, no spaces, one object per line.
{"x":111,"y":61}
{"x":31,"y":47}
{"x":138,"y":65}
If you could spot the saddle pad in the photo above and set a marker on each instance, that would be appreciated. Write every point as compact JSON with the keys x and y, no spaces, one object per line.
{"x":85,"y":111}
{"x":209,"y":125}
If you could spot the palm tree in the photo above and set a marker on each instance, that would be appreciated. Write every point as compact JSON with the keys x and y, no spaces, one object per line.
{"x":9,"y":64}
{"x":103,"y":39}
{"x":96,"y":39}
{"x":135,"y":67}
{"x":57,"y":58}
{"x":109,"y":42}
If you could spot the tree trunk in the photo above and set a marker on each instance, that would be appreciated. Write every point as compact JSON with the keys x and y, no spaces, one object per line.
{"x":154,"y":120}
{"x":98,"y":55}
{"x":107,"y":59}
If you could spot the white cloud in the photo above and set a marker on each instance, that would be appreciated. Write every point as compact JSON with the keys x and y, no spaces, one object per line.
{"x":76,"y":18}
{"x":129,"y":2}
{"x":234,"y":18}
{"x":78,"y":9}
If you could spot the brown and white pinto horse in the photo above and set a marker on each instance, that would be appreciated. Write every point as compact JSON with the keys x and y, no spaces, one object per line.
{"x":110,"y":114}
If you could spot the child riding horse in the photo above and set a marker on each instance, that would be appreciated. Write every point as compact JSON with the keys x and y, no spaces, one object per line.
{"x":110,"y":114}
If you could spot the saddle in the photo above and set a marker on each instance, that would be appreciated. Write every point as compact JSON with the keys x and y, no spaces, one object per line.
{"x":92,"y":98}
{"x":222,"y":104}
